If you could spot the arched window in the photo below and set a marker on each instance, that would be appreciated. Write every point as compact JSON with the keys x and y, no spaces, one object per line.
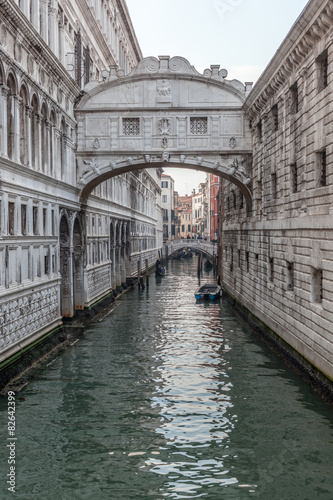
{"x":24,"y":159}
{"x":63,"y":148}
{"x":52,"y":143}
{"x":34,"y":132}
{"x":44,"y":138}
{"x":11,"y":115}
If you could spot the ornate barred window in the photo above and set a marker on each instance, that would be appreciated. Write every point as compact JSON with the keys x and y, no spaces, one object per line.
{"x":199,"y":126}
{"x":131,"y":126}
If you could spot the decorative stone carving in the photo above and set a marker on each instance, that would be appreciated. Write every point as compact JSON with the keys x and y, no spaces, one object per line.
{"x":165,"y":156}
{"x":30,"y":64}
{"x":199,"y":160}
{"x":182,"y":158}
{"x":129,"y":161}
{"x":148,"y":158}
{"x":42,"y":77}
{"x":3,"y":35}
{"x":18,"y":51}
{"x":165,"y":142}
{"x":163,"y":91}
{"x":59,"y":95}
{"x":164,"y":126}
{"x":27,"y":314}
{"x":97,"y":143}
{"x":232,"y":143}
{"x":93,"y":165}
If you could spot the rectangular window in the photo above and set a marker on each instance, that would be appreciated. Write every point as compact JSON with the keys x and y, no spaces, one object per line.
{"x":44,"y":220}
{"x":294,"y":99}
{"x":256,"y":263}
{"x":290,"y":276}
{"x":53,"y":222}
{"x":317,"y":285}
{"x":247,"y":259}
{"x":321,"y":168}
{"x":164,"y":198}
{"x":199,"y":126}
{"x":275,"y":117}
{"x":322,"y":65}
{"x":11,"y":218}
{"x":131,"y":126}
{"x":24,"y":219}
{"x":165,"y":184}
{"x":274,"y":186}
{"x":271,"y":269}
{"x":46,"y":264}
{"x":35,"y":220}
{"x":294,"y":178}
{"x":259,"y":131}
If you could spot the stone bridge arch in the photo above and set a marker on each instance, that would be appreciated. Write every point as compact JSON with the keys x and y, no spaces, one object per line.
{"x":163,"y":114}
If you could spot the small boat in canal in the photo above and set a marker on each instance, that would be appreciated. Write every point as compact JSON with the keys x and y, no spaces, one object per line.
{"x":208,"y":291}
{"x":161,"y":271}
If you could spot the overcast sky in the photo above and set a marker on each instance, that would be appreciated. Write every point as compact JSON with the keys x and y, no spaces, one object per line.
{"x":240,"y":35}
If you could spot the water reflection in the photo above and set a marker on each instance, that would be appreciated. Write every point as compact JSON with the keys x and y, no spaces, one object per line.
{"x":169,"y":398}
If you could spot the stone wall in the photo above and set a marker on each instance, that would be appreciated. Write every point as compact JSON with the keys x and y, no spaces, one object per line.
{"x":278,"y":259}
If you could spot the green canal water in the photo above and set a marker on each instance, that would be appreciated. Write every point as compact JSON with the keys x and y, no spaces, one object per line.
{"x":169,"y":398}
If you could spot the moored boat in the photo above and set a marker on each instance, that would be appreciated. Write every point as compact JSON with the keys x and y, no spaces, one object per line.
{"x":209,"y":291}
{"x":161,"y":271}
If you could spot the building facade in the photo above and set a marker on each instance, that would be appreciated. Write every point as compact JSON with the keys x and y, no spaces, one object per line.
{"x":213,"y":182}
{"x":168,"y":207}
{"x":278,"y":260}
{"x":56,"y":256}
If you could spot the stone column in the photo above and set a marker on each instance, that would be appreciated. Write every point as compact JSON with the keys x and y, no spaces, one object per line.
{"x":57,"y":167}
{"x":17,"y":102}
{"x":65,"y":169}
{"x":53,"y":152}
{"x":118,"y":266}
{"x":38,"y":146}
{"x":3,"y":120}
{"x":44,"y":20}
{"x":181,"y":133}
{"x":35,"y":5}
{"x":28,"y":141}
{"x":47,"y":167}
{"x":53,"y":29}
{"x":113,"y":267}
{"x":61,"y":43}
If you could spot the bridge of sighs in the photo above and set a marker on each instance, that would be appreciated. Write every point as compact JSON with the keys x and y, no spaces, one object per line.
{"x":163,"y":114}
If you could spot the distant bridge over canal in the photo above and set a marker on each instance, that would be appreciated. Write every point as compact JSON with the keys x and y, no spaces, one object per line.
{"x":206,"y":247}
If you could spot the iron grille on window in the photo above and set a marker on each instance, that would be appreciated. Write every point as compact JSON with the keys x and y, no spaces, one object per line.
{"x":131,"y":126}
{"x":322,"y":160}
{"x":78,"y":58}
{"x":199,"y":126}
{"x":294,"y":178}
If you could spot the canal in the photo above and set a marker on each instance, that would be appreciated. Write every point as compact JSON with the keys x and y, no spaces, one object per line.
{"x":168,"y":398}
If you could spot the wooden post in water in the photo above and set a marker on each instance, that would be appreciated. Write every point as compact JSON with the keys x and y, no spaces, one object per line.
{"x":139,"y":272}
{"x":199,"y":263}
{"x":147,"y":273}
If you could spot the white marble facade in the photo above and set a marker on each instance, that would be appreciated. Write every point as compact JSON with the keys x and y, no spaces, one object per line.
{"x":56,"y":255}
